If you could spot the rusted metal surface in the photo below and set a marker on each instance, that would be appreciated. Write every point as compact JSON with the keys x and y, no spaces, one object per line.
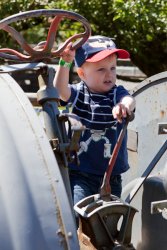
{"x":44,"y":50}
{"x":151,"y":110}
{"x":145,"y":138}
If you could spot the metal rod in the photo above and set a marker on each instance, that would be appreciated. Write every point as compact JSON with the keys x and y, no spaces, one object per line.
{"x":105,"y":189}
{"x":146,"y":173}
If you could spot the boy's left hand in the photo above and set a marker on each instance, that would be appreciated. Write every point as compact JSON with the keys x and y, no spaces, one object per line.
{"x":120,"y":111}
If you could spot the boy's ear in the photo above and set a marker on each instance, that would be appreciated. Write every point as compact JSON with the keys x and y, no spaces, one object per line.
{"x":81,"y":73}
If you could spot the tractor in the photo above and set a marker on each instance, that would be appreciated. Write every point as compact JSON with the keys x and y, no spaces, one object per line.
{"x":36,"y":205}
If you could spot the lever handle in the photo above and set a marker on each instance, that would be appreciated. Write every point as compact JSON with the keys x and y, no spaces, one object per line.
{"x":105,"y":189}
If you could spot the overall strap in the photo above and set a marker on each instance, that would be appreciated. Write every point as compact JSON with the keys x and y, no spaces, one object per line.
{"x":78,"y":88}
{"x":115,"y":96}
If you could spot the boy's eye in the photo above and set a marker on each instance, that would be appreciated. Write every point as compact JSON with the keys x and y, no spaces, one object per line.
{"x":100,"y":69}
{"x":103,"y":69}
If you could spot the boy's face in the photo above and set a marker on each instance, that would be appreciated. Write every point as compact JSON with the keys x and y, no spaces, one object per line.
{"x":100,"y":76}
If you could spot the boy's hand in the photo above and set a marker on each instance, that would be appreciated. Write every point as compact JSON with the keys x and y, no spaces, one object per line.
{"x":68,"y":54}
{"x":120,"y":111}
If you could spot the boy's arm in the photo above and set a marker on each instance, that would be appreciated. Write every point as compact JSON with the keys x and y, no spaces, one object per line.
{"x":61,"y":79}
{"x":125,"y":107}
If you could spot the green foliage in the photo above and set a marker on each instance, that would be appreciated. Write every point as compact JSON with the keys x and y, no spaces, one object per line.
{"x":140,"y":26}
{"x":143,"y":20}
{"x":143,"y":30}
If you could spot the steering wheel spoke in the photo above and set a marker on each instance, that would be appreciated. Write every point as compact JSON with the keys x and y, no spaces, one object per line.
{"x":43,"y":50}
{"x":52,"y":33}
{"x":70,"y":39}
{"x":12,"y":54}
{"x":19,"y":38}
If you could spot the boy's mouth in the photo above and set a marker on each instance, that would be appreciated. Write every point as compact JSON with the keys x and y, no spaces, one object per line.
{"x":107,"y":82}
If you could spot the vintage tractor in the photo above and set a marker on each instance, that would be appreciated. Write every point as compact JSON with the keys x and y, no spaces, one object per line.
{"x":36,"y":207}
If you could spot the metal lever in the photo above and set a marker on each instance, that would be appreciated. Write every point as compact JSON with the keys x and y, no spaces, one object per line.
{"x":105,"y":189}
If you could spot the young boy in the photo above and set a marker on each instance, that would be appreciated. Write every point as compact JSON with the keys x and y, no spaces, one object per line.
{"x":102,"y":107}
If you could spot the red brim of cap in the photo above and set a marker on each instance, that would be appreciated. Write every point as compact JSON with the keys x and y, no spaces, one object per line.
{"x":123,"y":54}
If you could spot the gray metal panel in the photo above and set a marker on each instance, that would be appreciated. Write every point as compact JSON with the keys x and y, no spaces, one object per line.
{"x":151,"y":109}
{"x":132,"y":143}
{"x":35,"y":212}
{"x":149,"y":230}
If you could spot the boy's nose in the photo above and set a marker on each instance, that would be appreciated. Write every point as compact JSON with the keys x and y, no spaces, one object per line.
{"x":109,"y":73}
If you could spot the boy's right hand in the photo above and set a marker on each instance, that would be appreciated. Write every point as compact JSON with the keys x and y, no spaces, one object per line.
{"x":68,"y":54}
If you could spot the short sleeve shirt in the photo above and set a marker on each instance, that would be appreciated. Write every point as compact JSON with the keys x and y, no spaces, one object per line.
{"x":102,"y":130}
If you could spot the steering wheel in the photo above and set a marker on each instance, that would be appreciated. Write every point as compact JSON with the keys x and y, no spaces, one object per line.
{"x":44,"y":50}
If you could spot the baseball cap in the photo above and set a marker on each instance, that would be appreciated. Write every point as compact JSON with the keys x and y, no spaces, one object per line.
{"x":96,"y":49}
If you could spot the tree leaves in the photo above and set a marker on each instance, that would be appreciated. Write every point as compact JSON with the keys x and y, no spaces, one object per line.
{"x":138,"y":26}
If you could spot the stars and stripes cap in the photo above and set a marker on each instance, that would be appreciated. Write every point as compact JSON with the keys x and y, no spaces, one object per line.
{"x":96,"y":49}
